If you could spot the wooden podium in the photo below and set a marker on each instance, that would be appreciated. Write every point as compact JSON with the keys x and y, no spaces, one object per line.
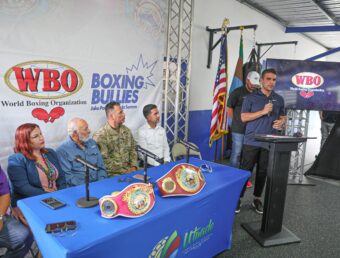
{"x":270,"y":231}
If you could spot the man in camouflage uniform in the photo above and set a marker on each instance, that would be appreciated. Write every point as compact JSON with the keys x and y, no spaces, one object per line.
{"x":116,"y":142}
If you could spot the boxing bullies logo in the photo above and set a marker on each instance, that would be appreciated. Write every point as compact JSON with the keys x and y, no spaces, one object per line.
{"x":307,"y":81}
{"x":43,"y":79}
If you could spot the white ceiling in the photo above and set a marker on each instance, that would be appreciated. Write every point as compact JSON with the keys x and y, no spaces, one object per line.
{"x":304,"y":14}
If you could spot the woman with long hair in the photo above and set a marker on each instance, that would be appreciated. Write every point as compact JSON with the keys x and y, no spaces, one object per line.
{"x":33,"y":169}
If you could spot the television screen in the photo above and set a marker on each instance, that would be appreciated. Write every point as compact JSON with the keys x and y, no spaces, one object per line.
{"x":307,"y":85}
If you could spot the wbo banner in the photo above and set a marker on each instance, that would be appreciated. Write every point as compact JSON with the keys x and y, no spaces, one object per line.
{"x":307,"y":85}
{"x":66,"y":59}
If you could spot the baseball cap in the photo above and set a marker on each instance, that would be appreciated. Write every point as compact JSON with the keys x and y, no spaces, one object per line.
{"x":254,"y":78}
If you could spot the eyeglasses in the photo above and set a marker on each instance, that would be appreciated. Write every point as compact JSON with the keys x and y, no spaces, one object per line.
{"x":206,"y":168}
{"x":61,"y":228}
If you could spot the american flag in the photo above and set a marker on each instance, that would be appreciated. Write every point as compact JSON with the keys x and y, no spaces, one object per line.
{"x":219,"y":114}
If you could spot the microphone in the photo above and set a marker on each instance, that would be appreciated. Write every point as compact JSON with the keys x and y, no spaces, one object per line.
{"x":86,"y":163}
{"x":188,"y":145}
{"x":149,"y":154}
{"x":270,"y":101}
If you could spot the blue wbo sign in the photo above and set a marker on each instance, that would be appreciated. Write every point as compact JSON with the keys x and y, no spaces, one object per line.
{"x":307,"y":84}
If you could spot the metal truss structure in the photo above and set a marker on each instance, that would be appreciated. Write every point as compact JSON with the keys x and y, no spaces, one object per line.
{"x":297,"y":125}
{"x":177,"y":68}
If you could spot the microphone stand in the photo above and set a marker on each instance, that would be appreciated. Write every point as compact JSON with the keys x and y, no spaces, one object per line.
{"x":188,"y":146}
{"x":145,"y":168}
{"x":87,"y":202}
{"x":188,"y":154}
{"x":146,"y":154}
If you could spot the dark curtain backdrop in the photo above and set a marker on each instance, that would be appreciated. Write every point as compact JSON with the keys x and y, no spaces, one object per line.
{"x":327,"y":164}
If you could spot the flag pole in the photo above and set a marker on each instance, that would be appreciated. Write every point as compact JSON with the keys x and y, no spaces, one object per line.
{"x":225,"y":24}
{"x":216,"y":150}
{"x":218,"y":114}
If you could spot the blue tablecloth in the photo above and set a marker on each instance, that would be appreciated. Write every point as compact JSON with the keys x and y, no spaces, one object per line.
{"x":195,"y":226}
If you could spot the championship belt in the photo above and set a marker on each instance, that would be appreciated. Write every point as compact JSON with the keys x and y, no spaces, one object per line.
{"x":134,"y":201}
{"x":182,"y":179}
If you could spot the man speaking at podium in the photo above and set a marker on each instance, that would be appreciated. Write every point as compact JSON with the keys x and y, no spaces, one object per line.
{"x":263,"y":111}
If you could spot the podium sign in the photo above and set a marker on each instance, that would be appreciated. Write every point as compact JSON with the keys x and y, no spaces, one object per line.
{"x":270,"y":231}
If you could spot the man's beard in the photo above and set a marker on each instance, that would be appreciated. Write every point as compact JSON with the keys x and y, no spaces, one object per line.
{"x":84,"y":139}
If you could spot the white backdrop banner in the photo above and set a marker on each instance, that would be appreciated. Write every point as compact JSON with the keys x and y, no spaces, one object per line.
{"x":64,"y":59}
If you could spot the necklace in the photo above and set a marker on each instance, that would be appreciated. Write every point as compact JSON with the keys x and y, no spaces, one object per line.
{"x":50,"y":172}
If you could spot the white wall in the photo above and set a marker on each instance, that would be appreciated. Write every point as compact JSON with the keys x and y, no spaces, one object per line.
{"x":211,"y":13}
{"x":334,"y":57}
{"x":313,"y":145}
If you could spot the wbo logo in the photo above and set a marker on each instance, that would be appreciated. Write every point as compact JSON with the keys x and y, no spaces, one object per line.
{"x":42,"y":114}
{"x":168,"y":247}
{"x":306,"y":94}
{"x":43,"y":79}
{"x":307,"y":80}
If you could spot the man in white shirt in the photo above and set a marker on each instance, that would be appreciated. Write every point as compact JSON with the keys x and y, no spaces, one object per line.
{"x":152,"y":136}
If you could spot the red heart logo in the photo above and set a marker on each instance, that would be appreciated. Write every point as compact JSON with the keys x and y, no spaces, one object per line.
{"x":306,"y":94}
{"x":42,"y":114}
